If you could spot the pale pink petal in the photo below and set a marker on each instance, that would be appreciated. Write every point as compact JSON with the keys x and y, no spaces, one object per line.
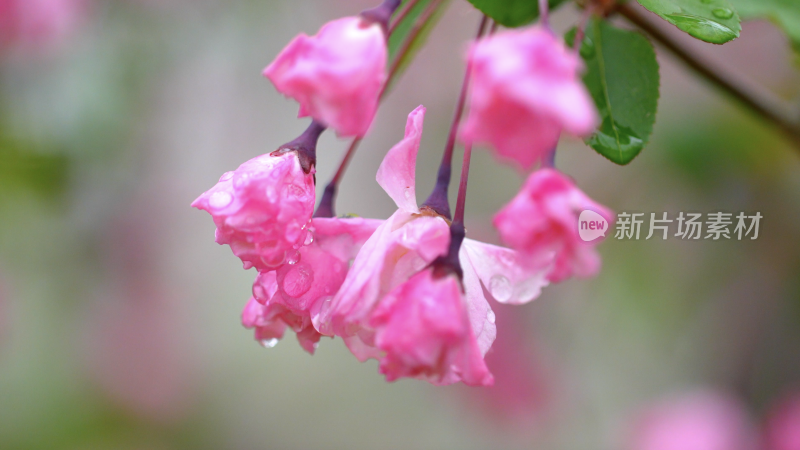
{"x":400,"y":247}
{"x":396,"y":175}
{"x":502,"y":273}
{"x":481,"y":317}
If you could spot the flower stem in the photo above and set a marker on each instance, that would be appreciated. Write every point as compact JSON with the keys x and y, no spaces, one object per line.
{"x":382,"y":13}
{"x":438,"y":201}
{"x":549,"y":159}
{"x":461,"y":200}
{"x":580,"y":32}
{"x":758,"y":100}
{"x":305,"y":145}
{"x":449,"y":263}
{"x":329,"y":197}
{"x":544,"y":13}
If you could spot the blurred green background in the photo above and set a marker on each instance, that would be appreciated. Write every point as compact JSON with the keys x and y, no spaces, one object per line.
{"x":119,"y":315}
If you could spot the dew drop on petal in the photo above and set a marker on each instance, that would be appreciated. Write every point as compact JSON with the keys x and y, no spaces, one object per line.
{"x":490,"y":316}
{"x":273,"y":259}
{"x":226,"y":176}
{"x":241,"y":180}
{"x":298,"y":280}
{"x":259,"y":293}
{"x":500,"y":288}
{"x":220,"y":199}
{"x":320,"y":315}
{"x":268,"y":343}
{"x":407,"y":193}
{"x":309,"y":238}
{"x":292,"y":257}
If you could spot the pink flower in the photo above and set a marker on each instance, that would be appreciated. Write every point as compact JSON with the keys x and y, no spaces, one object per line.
{"x":39,"y":22}
{"x":336,"y":75}
{"x":424,"y":329}
{"x":694,"y":421}
{"x":783,"y":425}
{"x":543,"y":220}
{"x":388,"y":300}
{"x":525,"y":91}
{"x":294,"y":294}
{"x":262,"y":209}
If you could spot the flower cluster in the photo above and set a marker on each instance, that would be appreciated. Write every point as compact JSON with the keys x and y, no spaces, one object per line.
{"x":410,"y":291}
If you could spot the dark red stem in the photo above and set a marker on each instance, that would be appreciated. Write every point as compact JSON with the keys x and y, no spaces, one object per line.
{"x":438,"y":200}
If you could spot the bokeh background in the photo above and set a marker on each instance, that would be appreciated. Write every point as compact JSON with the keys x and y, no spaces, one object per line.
{"x":119,"y":315}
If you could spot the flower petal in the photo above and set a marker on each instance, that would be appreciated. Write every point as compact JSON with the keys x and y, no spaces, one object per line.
{"x":397,"y":173}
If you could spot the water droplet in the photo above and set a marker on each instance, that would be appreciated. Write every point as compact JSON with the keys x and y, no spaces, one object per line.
{"x":490,"y":316}
{"x":292,"y":232}
{"x":722,"y":13}
{"x":309,"y":238}
{"x":320,"y":315}
{"x":241,"y":180}
{"x":273,"y":258}
{"x":407,"y":193}
{"x":226,"y":176}
{"x":702,"y":28}
{"x":297,"y":281}
{"x":616,"y":139}
{"x":260,"y":294}
{"x":220,"y":199}
{"x":500,"y":288}
{"x":587,"y":50}
{"x":268,"y":343}
{"x":292,"y":257}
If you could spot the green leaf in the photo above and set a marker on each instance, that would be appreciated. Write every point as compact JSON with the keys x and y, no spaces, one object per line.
{"x":622,"y":77}
{"x":512,"y":13}
{"x":784,"y":13}
{"x":713,"y":21}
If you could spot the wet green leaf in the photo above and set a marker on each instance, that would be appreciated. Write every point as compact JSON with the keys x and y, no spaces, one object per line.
{"x":622,"y":76}
{"x":513,"y":13}
{"x":713,"y":21}
{"x":784,"y":13}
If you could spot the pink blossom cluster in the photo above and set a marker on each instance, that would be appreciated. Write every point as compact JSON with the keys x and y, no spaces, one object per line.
{"x":410,"y":291}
